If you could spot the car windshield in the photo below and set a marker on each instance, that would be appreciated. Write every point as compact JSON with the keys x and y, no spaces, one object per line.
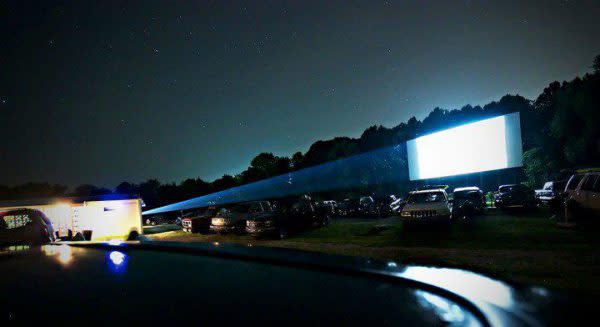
{"x":506,"y":189}
{"x":466,"y":195}
{"x":426,"y":197}
{"x":447,"y":134}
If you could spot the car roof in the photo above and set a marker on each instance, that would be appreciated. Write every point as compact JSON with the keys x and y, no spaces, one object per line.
{"x":467,"y":188}
{"x":507,"y":185}
{"x":428,"y":191}
{"x":587,"y":170}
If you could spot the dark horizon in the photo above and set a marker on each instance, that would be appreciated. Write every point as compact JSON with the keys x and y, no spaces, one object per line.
{"x":106,"y":92}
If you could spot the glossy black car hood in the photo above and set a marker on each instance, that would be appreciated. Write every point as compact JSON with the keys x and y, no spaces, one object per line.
{"x":171,"y":282}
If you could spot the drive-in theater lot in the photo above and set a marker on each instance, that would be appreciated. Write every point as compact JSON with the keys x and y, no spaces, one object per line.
{"x":521,"y":247}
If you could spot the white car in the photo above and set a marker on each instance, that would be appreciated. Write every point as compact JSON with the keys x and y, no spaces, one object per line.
{"x":583,"y":196}
{"x":427,"y":205}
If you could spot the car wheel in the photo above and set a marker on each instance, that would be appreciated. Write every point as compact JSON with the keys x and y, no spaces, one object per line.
{"x":283,"y":233}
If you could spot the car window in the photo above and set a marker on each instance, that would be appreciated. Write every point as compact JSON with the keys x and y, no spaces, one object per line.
{"x":597,"y":185}
{"x":588,"y":183}
{"x":426,"y":197}
{"x":44,"y":218}
{"x":548,"y":186}
{"x":573,"y":182}
{"x":16,"y":220}
{"x":474,"y":195}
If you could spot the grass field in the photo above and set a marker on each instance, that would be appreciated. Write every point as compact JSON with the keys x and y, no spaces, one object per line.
{"x":517,"y":247}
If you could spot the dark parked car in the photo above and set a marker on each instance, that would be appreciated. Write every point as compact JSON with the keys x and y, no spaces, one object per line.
{"x":155,"y":221}
{"x":384,"y":204}
{"x":198,"y":221}
{"x":397,"y":205}
{"x":232,"y":219}
{"x":551,"y":191}
{"x":294,"y":215}
{"x":25,"y":226}
{"x":276,"y":286}
{"x":349,"y":207}
{"x":515,"y":196}
{"x":368,"y":207}
{"x":329,"y":206}
{"x":467,"y":202}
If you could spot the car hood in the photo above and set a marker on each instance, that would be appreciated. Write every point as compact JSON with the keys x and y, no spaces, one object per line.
{"x":263,"y":217}
{"x":88,"y":276}
{"x":426,"y":206}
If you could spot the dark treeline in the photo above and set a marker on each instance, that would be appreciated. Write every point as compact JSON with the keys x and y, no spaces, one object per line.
{"x":560,"y":129}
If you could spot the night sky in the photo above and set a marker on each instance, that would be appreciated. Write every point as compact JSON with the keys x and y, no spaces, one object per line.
{"x":100,"y":92}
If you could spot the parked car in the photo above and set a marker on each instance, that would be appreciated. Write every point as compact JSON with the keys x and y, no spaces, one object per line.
{"x":198,"y":221}
{"x":427,"y":206}
{"x":583,"y":196}
{"x":297,"y":214}
{"x":515,"y":196}
{"x":383,"y":204}
{"x":349,"y":207}
{"x":397,"y":205}
{"x":572,"y":184}
{"x":368,"y":207}
{"x":329,"y":206}
{"x":155,"y":220}
{"x":233,"y":218}
{"x":25,"y":226}
{"x":467,"y":202}
{"x":551,"y":191}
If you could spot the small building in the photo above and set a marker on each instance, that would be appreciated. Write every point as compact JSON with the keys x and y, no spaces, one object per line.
{"x":106,"y":216}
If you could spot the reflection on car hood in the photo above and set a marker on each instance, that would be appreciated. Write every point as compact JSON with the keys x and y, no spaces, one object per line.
{"x":132,"y":263}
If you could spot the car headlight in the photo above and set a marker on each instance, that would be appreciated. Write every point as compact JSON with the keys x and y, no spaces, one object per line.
{"x":218,"y":221}
{"x":405,"y":214}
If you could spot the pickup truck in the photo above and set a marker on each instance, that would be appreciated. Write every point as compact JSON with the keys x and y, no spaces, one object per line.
{"x":293,"y":216}
{"x":232,"y":219}
{"x":198,"y":222}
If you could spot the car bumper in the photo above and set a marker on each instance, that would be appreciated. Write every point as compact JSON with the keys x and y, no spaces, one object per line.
{"x":222,"y":229}
{"x":427,"y":219}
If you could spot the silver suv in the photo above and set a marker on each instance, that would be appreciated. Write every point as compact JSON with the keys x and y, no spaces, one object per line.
{"x":583,"y":195}
{"x":427,"y":205}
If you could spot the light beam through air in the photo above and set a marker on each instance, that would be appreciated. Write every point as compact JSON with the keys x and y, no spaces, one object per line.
{"x":488,"y":144}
